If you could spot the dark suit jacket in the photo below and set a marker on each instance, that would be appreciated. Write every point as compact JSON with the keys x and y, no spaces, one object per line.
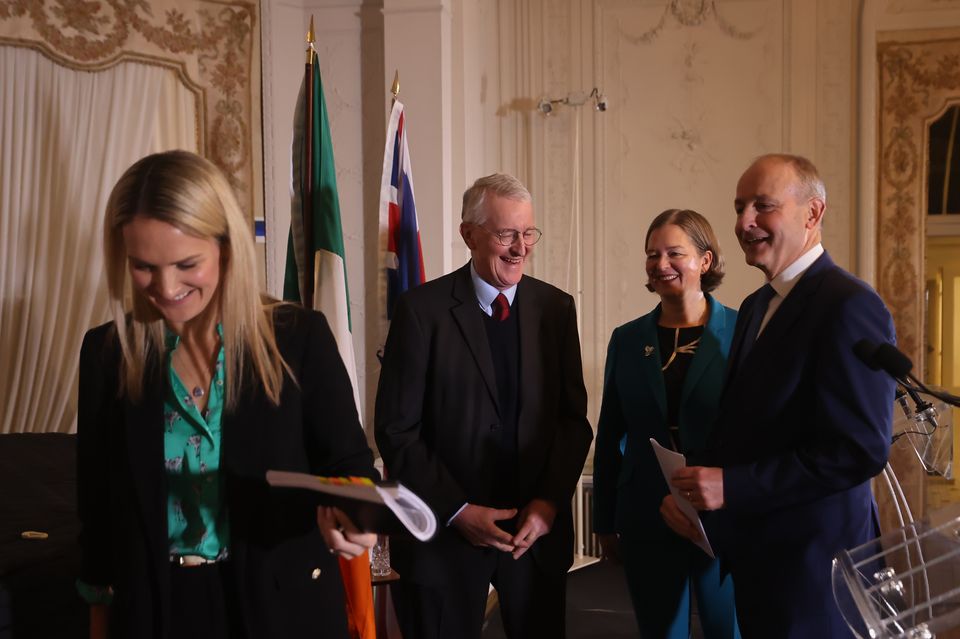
{"x":437,"y":415}
{"x":629,"y":485}
{"x":804,"y":425}
{"x":274,"y":541}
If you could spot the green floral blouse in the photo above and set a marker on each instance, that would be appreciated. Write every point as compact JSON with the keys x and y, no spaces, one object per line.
{"x":196,"y":515}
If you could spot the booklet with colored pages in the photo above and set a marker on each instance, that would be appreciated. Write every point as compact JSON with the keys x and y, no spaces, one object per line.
{"x":385,"y":507}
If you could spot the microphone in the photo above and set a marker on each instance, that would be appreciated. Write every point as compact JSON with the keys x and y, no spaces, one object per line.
{"x":888,"y":357}
{"x":866,"y":352}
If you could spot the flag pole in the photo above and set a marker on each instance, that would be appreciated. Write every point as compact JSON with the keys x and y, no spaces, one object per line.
{"x":307,"y":184}
{"x":395,"y":87}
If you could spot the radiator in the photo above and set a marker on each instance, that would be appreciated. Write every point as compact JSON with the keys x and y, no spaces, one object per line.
{"x":585,"y":542}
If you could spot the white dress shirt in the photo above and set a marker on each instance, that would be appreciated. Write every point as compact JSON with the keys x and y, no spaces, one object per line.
{"x":784,"y":282}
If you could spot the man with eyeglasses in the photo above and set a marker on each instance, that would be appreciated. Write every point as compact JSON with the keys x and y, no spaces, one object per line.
{"x":481,"y":409}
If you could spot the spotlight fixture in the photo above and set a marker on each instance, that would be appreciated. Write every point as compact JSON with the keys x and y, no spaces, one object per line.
{"x":574,"y":99}
{"x":601,"y":104}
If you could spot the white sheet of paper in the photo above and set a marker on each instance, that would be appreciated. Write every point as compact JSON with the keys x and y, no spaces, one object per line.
{"x":670,"y":461}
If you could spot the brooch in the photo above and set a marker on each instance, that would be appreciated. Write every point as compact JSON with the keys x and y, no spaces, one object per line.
{"x":647,"y":351}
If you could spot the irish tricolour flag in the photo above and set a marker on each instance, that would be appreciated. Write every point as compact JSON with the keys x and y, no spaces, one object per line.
{"x":316,"y":276}
{"x":316,"y":273}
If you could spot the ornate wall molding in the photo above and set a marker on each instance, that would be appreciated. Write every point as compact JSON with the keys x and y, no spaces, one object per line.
{"x":212,"y":45}
{"x":689,"y":13}
{"x":916,"y":81}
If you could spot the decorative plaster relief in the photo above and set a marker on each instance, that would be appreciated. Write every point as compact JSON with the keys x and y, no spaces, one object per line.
{"x":691,"y":158}
{"x":691,"y":74}
{"x":211,"y":45}
{"x":690,"y":13}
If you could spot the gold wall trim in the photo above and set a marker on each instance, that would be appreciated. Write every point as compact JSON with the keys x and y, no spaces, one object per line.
{"x":917,"y":80}
{"x":918,"y":75}
{"x":213,"y":46}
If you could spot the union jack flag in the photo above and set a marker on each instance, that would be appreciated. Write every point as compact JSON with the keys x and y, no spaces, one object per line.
{"x":399,"y":230}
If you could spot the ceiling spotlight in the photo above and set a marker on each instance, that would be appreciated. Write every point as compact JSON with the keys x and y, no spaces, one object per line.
{"x":545,"y":106}
{"x":601,"y":102}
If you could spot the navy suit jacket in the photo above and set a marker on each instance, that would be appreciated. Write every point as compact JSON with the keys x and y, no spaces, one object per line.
{"x":628,"y":483}
{"x":804,"y":425}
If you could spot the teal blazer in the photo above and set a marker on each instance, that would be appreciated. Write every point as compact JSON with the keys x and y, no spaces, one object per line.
{"x":628,"y":484}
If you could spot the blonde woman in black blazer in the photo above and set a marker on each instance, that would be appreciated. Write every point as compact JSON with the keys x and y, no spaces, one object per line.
{"x":186,"y":399}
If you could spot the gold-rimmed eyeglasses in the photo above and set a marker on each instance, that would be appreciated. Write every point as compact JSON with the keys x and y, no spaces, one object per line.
{"x":508,"y":237}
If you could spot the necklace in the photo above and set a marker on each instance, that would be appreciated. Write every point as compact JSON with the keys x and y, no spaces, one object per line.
{"x":193,"y":374}
{"x":687,"y":349}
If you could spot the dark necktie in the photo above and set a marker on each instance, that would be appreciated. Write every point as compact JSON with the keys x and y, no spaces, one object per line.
{"x":764,"y":295}
{"x":501,"y":308}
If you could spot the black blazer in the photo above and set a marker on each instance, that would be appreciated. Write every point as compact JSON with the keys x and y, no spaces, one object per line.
{"x":274,"y":544}
{"x":437,"y":416}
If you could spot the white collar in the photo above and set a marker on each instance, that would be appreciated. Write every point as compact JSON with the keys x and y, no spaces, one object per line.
{"x":788,"y":278}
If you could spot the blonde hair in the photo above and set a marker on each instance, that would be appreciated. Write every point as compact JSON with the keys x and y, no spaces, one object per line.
{"x":190,"y":193}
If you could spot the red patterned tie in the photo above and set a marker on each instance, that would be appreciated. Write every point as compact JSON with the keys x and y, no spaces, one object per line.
{"x":501,"y":308}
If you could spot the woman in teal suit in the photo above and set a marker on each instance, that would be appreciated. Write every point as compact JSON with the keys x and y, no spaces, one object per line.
{"x":664,"y":376}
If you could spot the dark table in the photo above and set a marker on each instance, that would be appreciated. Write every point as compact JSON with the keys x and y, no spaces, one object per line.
{"x":38,"y":493}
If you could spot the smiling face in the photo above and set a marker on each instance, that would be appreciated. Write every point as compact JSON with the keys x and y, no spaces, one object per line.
{"x":777,"y":221}
{"x":498,"y":265}
{"x":674,"y":265}
{"x":178,"y":274}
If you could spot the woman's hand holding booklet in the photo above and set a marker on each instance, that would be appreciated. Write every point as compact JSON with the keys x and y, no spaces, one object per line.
{"x":386,"y":508}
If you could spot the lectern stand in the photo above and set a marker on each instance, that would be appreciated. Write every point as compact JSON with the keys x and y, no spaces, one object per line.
{"x":905,"y":583}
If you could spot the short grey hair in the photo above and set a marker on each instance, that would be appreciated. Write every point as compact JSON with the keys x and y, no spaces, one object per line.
{"x":499,"y":184}
{"x":811,"y":184}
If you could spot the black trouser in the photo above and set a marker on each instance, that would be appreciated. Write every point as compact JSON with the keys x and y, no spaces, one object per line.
{"x":532,"y":603}
{"x":204,"y":602}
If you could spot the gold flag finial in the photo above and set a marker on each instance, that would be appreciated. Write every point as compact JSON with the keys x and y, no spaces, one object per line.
{"x":310,"y":41}
{"x":395,"y":87}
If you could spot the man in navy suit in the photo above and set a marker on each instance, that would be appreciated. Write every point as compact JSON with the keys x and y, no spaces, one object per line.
{"x":804,"y":424}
